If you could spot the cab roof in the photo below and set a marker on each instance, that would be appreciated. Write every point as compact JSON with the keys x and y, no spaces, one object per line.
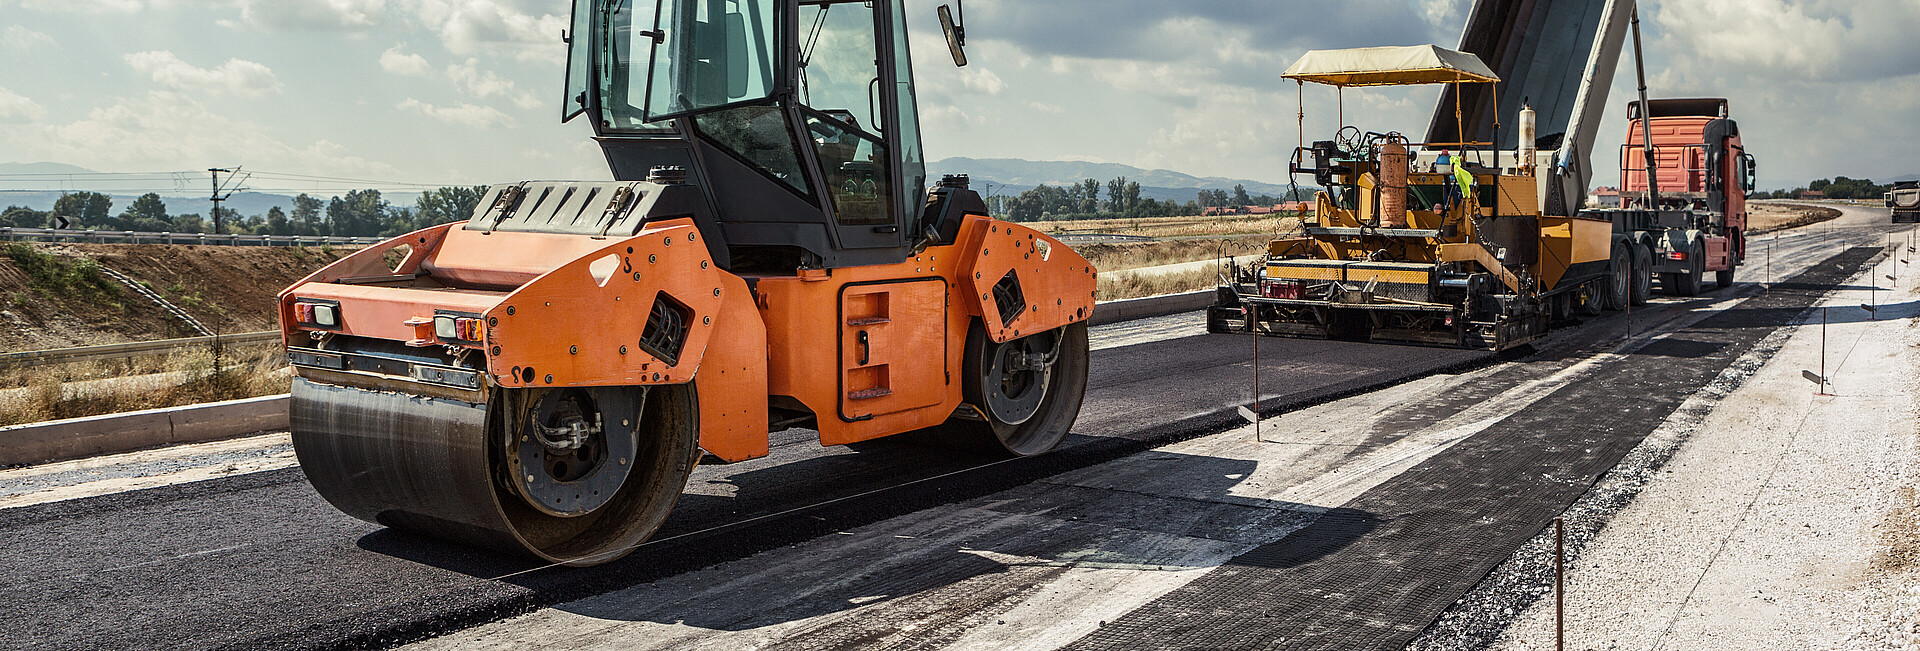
{"x":1390,"y":66}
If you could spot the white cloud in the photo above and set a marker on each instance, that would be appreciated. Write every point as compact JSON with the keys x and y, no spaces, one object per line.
{"x":16,"y":109}
{"x":170,"y":130}
{"x":1829,"y":41}
{"x":525,"y":28}
{"x":481,"y":84}
{"x":235,"y":77}
{"x":322,"y":15}
{"x":466,"y":115}
{"x":404,"y":64}
{"x":947,"y":117}
{"x":1044,"y":107}
{"x":470,"y":79}
{"x":982,"y":80}
{"x":20,"y":38}
{"x":1443,"y":14}
{"x":84,"y":6}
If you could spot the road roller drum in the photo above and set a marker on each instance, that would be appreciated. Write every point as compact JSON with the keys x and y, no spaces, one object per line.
{"x":453,"y":470}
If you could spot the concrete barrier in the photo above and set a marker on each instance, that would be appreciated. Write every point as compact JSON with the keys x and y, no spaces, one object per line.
{"x":76,"y":438}
{"x":1151,"y":306}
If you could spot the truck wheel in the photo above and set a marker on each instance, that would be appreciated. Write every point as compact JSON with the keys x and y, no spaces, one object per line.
{"x":1724,"y":277}
{"x":1619,"y":282}
{"x":1688,"y":284}
{"x":1587,"y":300}
{"x":1642,"y":289}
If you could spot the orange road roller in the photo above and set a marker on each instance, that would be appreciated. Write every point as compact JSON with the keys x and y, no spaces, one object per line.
{"x":543,"y":377}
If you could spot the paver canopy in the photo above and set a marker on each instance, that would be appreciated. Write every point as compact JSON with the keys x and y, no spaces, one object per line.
{"x":1390,"y":66}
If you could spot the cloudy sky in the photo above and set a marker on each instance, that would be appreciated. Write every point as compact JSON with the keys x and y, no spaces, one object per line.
{"x":468,"y":91}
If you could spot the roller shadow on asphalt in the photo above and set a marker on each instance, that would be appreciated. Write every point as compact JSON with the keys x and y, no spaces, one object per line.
{"x":758,"y":487}
{"x":962,"y":554}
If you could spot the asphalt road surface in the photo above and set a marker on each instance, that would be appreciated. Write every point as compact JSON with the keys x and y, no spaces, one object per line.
{"x":258,"y":560}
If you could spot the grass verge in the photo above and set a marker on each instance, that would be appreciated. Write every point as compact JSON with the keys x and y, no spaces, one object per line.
{"x":54,"y":275}
{"x":90,"y":389}
{"x":1121,"y":286}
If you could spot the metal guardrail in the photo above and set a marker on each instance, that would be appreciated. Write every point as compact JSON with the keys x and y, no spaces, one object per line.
{"x":11,"y":233}
{"x":155,"y":298}
{"x":133,"y":349}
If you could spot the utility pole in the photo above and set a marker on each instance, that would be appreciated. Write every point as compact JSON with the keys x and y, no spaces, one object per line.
{"x":233,"y":178}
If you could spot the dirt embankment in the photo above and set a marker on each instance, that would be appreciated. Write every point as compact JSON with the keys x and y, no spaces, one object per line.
{"x":1769,"y":217}
{"x":54,"y":295}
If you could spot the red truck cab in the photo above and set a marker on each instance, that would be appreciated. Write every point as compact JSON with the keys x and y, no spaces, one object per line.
{"x":1699,"y":164}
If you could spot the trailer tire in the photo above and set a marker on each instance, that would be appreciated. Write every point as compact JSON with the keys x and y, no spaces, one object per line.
{"x":1619,"y":283}
{"x":1688,"y":284}
{"x":1642,"y":289}
{"x":1590,"y":299}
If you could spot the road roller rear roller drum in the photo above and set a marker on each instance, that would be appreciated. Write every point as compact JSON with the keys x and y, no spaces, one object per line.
{"x":579,"y":476}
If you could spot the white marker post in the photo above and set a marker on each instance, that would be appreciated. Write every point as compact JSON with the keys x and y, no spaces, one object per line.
{"x":1821,"y":378}
{"x":1253,"y":328}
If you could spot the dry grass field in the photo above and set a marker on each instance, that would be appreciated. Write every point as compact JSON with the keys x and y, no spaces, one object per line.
{"x":1769,"y":216}
{"x":74,"y":390}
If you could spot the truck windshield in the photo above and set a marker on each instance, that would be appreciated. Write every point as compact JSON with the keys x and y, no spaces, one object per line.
{"x":667,"y":58}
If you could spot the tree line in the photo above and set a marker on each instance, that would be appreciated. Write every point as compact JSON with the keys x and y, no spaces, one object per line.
{"x":1084,"y":200}
{"x":1838,"y":187}
{"x":360,"y":213}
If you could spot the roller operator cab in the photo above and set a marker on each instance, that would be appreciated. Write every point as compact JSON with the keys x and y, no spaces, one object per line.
{"x":543,"y":377}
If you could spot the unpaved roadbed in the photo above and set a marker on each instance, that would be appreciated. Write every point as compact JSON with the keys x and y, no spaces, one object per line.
{"x":1780,"y":519}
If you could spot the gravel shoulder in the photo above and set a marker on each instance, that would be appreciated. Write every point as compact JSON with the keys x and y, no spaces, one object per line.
{"x":1785,"y":520}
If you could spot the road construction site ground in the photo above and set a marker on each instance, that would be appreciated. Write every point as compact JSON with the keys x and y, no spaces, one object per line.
{"x":1098,"y":545}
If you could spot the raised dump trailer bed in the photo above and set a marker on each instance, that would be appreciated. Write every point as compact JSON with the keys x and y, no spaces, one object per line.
{"x":1905,"y":201}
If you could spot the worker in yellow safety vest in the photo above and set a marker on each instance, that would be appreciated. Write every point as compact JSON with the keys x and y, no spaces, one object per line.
{"x":1462,"y":186}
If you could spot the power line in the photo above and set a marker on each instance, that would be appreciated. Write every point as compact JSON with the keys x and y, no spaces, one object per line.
{"x":177,"y":176}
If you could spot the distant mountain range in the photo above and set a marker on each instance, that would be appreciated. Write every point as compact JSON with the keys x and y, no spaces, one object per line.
{"x":1017,"y":175}
{"x":1008,"y":176}
{"x":42,"y":168}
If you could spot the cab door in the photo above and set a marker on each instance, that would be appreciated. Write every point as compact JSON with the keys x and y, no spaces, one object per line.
{"x":858,"y":110}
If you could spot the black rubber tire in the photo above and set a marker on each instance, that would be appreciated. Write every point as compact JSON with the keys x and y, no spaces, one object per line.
{"x":1040,"y":433}
{"x":1619,"y":282}
{"x":1688,"y":284}
{"x":1225,"y":309}
{"x":1642,"y":274}
{"x":1723,"y":278}
{"x":1589,"y":300}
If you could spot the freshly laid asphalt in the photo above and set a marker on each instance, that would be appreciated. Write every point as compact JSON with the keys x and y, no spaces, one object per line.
{"x":260,"y":560}
{"x":1373,"y":573}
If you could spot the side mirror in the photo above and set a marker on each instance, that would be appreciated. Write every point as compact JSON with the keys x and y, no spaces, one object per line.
{"x":1750,"y":173}
{"x":956,"y":34}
